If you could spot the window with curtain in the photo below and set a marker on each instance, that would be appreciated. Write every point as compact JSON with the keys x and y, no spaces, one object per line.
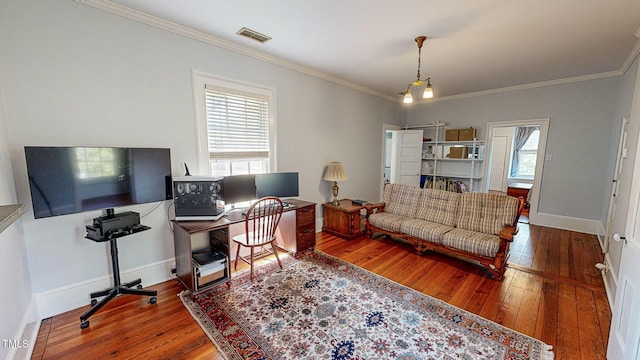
{"x":237,"y":132}
{"x":525,"y":153}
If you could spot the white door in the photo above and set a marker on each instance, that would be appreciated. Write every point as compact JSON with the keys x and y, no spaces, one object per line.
{"x":406,"y":156}
{"x":624,"y":336}
{"x":499,"y":167}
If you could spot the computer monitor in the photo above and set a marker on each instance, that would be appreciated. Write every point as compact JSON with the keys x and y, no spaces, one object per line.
{"x":277,"y":184}
{"x":238,"y":188}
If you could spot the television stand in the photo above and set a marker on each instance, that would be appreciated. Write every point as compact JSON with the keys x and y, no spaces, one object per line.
{"x":118,"y":288}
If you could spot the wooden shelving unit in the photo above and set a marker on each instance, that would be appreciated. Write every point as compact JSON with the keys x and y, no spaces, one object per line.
{"x":9,"y":214}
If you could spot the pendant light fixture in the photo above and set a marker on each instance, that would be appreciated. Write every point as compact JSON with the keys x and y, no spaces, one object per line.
{"x":428,"y":90}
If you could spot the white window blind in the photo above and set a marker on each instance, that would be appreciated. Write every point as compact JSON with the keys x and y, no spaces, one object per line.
{"x":237,"y":125}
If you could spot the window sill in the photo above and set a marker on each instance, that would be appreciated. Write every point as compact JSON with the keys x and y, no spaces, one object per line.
{"x":9,"y":214}
{"x":521,"y":178}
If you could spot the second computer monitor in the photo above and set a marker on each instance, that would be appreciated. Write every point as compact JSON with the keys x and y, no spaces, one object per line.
{"x":281,"y":185}
{"x":238,"y":188}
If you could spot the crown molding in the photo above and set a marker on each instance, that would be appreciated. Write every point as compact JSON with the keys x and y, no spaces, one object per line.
{"x":575,"y":79}
{"x":178,"y":29}
{"x":632,"y":55}
{"x":181,"y":30}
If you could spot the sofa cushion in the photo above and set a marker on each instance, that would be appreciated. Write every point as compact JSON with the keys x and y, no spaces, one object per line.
{"x":387,"y":221}
{"x":425,"y":230}
{"x":438,"y":206}
{"x":486,"y":212}
{"x":401,"y":199}
{"x":472,"y":241}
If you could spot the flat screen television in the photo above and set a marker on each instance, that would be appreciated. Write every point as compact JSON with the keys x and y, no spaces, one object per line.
{"x":68,"y":180}
{"x":238,"y":188}
{"x":281,"y":185}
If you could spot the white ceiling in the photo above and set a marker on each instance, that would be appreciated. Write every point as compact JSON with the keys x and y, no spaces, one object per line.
{"x":473,"y":45}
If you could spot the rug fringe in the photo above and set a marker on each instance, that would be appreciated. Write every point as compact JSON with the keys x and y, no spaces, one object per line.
{"x":548,"y":353}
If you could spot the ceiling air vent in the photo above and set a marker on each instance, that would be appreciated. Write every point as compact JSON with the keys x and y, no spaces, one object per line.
{"x":251,"y":34}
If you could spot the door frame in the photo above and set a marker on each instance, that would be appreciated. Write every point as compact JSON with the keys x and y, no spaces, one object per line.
{"x":620,"y":156}
{"x":385,"y":128}
{"x":541,"y":156}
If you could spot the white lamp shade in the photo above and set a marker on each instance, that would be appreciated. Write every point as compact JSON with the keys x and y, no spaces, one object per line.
{"x":408,"y":99}
{"x":428,"y":93}
{"x":335,"y":172}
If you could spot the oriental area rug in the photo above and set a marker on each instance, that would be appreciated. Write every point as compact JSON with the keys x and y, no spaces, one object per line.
{"x":320,"y":307}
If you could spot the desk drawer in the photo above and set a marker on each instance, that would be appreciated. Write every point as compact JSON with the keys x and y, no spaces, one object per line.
{"x":305,"y":215}
{"x":306,"y":237}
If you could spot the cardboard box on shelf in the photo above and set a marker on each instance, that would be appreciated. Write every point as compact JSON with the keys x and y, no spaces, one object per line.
{"x":202,"y":280}
{"x":466,"y":134}
{"x":459,"y":153}
{"x":451,"y":135}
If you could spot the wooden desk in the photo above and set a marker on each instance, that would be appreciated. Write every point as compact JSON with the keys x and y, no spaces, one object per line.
{"x":297,"y":230}
{"x":520,"y":189}
{"x":342,"y":220}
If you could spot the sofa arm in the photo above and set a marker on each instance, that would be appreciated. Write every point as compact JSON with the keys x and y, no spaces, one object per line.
{"x":374,"y":208}
{"x":508,"y":233}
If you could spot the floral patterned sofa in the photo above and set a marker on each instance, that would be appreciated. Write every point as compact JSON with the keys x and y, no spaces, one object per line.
{"x":473,"y":225}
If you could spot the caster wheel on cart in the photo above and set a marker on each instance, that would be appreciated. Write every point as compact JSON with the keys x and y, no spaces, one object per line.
{"x":94,"y":302}
{"x":84,"y":324}
{"x":153,"y":300}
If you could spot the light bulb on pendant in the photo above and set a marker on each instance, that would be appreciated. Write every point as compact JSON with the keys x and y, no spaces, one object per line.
{"x":408,"y":99}
{"x":428,"y":91}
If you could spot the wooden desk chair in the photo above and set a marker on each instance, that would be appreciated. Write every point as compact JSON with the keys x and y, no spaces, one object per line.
{"x":260,"y":229}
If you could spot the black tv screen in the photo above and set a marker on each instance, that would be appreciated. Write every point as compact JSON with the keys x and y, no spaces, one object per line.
{"x":67,"y":180}
{"x":277,"y":184}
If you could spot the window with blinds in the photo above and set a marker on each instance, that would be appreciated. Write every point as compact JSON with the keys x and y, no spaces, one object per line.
{"x":237,"y":132}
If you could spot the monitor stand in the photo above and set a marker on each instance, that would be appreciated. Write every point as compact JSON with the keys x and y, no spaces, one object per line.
{"x":117,"y":289}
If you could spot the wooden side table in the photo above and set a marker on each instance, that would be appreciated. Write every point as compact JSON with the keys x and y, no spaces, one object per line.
{"x":520,"y":189}
{"x":342,"y":220}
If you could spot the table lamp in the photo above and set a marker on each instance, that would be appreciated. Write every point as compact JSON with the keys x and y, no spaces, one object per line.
{"x":335,"y":172}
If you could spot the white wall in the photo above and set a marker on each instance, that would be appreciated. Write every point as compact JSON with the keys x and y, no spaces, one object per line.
{"x":100,"y":79}
{"x":575,"y":183}
{"x":16,"y":310}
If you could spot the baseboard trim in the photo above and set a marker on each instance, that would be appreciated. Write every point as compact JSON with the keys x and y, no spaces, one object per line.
{"x":568,"y":223}
{"x":26,"y":334}
{"x":70,"y":297}
{"x":610,"y":278}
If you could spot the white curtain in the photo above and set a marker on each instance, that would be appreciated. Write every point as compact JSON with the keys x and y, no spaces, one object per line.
{"x":521,"y":136}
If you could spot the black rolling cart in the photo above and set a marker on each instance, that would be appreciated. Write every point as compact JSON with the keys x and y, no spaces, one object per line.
{"x":133,"y":287}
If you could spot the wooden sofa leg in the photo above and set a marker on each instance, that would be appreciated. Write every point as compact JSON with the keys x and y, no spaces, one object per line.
{"x":419,"y":245}
{"x":496,"y":273}
{"x":367,"y":231}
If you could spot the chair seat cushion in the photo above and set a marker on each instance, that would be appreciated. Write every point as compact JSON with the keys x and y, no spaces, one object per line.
{"x":425,"y":230}
{"x":253,"y":240}
{"x":472,"y":241}
{"x":387,"y":221}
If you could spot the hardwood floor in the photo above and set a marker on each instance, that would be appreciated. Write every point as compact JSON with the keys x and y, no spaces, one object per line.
{"x":551,"y":291}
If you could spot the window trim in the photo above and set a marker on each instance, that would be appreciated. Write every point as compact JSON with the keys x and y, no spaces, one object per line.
{"x":199,"y":81}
